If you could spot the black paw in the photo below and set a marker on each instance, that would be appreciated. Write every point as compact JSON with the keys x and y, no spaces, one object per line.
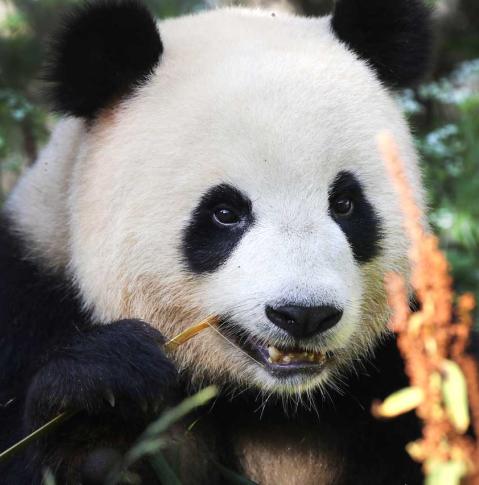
{"x":118,"y":368}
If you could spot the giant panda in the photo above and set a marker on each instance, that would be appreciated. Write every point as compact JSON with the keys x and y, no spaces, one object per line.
{"x":222,"y":163}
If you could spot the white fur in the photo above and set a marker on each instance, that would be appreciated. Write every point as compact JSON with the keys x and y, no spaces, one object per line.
{"x":275,"y":106}
{"x":38,"y":204}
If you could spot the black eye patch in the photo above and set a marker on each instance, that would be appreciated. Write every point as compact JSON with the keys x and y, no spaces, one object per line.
{"x":206,"y":245}
{"x":363,"y":227}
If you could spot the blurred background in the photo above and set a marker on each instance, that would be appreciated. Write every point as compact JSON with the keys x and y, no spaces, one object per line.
{"x":444,"y":111}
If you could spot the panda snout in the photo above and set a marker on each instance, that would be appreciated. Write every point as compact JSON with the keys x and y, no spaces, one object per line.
{"x":304,"y":321}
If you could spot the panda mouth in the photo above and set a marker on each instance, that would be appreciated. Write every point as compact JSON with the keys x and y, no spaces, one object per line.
{"x":279,"y":361}
{"x":288,"y":361}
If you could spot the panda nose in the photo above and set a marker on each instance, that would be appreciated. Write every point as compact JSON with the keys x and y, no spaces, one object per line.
{"x":304,"y":321}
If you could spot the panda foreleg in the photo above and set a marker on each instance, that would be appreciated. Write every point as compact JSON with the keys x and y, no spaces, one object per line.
{"x":116,"y":375}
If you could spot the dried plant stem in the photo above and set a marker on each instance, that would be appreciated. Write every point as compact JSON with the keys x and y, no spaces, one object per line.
{"x":35,"y":435}
{"x":431,"y":340}
{"x":190,"y":332}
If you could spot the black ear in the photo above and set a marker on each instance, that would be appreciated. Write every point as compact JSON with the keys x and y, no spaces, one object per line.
{"x":393,"y":35}
{"x":103,"y":51}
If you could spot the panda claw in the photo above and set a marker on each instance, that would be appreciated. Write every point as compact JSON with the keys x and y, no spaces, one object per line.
{"x":110,"y":398}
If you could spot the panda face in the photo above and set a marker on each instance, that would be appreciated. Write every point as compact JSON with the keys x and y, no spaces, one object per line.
{"x":284,"y":271}
{"x":250,"y":188}
{"x":241,"y":178}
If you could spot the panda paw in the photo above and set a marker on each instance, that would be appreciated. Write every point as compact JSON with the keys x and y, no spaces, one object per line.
{"x":119,"y":368}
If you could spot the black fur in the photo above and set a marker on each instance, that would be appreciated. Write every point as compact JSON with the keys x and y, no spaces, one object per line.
{"x":119,"y":365}
{"x":206,"y":245}
{"x":54,"y":358}
{"x":105,"y":49}
{"x":363,"y":227}
{"x":394,"y":36}
{"x":37,"y":311}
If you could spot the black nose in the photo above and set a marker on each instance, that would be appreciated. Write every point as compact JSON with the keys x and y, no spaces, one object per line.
{"x":304,"y":321}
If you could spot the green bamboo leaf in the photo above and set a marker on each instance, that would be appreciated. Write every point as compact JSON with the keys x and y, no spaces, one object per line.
{"x":153,"y":440}
{"x":173,"y":415}
{"x":163,"y":469}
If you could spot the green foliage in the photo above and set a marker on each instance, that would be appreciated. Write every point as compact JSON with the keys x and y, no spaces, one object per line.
{"x":16,"y":111}
{"x":449,"y":145}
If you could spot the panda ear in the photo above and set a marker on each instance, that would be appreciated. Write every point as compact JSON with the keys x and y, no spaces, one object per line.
{"x":103,"y":51}
{"x":394,"y":36}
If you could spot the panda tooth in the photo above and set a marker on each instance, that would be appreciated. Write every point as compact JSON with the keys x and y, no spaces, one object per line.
{"x":274,"y":353}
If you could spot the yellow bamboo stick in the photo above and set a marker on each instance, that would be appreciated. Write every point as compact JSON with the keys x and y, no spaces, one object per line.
{"x":190,"y":332}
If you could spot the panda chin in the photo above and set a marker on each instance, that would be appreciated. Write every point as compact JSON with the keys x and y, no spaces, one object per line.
{"x":278,"y":360}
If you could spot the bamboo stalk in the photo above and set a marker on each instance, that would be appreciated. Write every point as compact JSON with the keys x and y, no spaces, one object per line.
{"x":190,"y":332}
{"x":35,"y":435}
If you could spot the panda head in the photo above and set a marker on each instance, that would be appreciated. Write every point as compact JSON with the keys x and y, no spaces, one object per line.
{"x":230,"y":168}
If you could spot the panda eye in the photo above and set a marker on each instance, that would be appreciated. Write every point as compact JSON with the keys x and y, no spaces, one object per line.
{"x":224,"y":216}
{"x":342,"y":206}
